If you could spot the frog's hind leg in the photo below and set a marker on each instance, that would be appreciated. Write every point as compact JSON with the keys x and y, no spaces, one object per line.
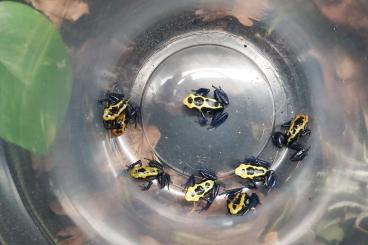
{"x":221,"y":96}
{"x":230,"y":194}
{"x":207,"y":174}
{"x":154,"y":163}
{"x":278,"y":139}
{"x":112,"y":98}
{"x":164,"y":180}
{"x":300,"y":153}
{"x":254,"y":201}
{"x":133,"y":113}
{"x":218,"y":118}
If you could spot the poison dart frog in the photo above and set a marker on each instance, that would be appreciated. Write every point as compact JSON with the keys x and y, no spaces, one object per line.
{"x":118,"y":112}
{"x":154,"y":170}
{"x":206,"y":189}
{"x":198,"y":100}
{"x":239,"y":202}
{"x":256,"y":170}
{"x":296,"y":128}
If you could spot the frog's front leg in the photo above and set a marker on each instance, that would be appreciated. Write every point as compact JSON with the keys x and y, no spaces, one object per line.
{"x":201,"y":91}
{"x":300,"y":153}
{"x":133,"y":113}
{"x":115,"y":97}
{"x":137,"y":163}
{"x":207,"y":174}
{"x":190,"y":182}
{"x":270,"y":180}
{"x":215,"y":191}
{"x":154,"y":163}
{"x":109,"y":125}
{"x":253,"y":201}
{"x":286,"y":125}
{"x":230,"y":194}
{"x":208,"y":204}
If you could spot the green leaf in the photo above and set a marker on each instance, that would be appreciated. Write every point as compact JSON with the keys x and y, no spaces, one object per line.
{"x":35,"y":78}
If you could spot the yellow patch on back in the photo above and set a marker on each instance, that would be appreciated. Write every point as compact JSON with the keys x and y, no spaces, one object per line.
{"x":247,"y":171}
{"x":297,"y":126}
{"x":143,"y":172}
{"x":237,"y":204}
{"x":114,"y":111}
{"x":197,"y":191}
{"x":200,"y":102}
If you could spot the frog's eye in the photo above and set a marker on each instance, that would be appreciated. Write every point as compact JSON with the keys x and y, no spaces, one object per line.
{"x":192,"y":194}
{"x":207,"y":184}
{"x":243,"y":170}
{"x":190,"y":100}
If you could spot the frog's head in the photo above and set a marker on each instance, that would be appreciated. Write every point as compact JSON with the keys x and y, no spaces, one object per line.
{"x":188,"y":101}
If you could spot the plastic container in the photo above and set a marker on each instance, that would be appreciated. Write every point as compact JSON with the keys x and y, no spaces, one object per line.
{"x":273,"y":59}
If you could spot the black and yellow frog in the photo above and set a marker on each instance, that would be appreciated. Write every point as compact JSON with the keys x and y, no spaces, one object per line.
{"x":239,"y":202}
{"x":296,"y":128}
{"x":119,"y":125}
{"x":198,"y":100}
{"x":118,"y":112}
{"x":206,"y":189}
{"x":256,"y":170}
{"x":153,"y":171}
